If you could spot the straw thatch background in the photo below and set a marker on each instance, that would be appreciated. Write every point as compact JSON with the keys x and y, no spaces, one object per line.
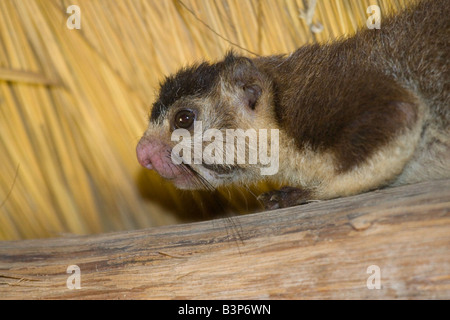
{"x":74,"y":103}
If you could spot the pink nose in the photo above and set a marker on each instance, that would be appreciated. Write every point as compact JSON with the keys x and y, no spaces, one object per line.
{"x":144,"y":151}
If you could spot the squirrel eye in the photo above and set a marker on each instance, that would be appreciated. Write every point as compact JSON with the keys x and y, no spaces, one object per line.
{"x":184,"y":119}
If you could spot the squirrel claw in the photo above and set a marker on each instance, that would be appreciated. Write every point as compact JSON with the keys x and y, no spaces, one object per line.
{"x":284,"y":198}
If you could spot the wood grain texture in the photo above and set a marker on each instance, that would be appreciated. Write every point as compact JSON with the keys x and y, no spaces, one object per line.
{"x":320,"y":250}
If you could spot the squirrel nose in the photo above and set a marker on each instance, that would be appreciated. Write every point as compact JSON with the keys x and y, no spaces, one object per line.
{"x":143,"y":153}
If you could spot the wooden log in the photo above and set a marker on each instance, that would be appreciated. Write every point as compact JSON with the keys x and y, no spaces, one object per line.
{"x":320,"y":250}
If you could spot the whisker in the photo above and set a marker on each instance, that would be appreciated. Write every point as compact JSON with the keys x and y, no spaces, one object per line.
{"x":233,"y":230}
{"x":197,"y":177}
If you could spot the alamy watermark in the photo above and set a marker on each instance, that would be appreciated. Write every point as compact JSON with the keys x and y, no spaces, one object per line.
{"x":74,"y":20}
{"x":74,"y":280}
{"x":374,"y":20}
{"x":237,"y":147}
{"x":374,"y":280}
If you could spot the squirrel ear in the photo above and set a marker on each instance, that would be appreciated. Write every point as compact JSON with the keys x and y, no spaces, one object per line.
{"x":251,"y":95}
{"x":246,"y":78}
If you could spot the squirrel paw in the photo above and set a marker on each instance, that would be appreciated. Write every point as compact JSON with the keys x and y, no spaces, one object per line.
{"x":283,"y":198}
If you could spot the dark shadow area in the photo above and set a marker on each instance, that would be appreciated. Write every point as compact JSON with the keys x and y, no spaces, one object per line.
{"x":191,"y":206}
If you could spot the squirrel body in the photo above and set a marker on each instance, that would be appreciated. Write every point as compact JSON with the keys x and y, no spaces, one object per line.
{"x":353,"y":115}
